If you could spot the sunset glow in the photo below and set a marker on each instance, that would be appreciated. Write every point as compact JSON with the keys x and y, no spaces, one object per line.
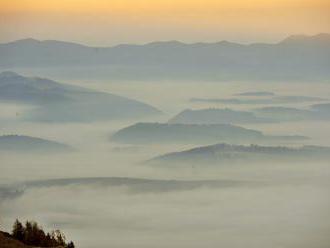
{"x":157,"y":6}
{"x":147,"y":20}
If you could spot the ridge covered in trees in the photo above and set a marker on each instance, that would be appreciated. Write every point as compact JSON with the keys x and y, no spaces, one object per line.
{"x":33,"y":235}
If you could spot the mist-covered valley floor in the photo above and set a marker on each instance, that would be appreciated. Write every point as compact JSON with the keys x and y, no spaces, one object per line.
{"x":104,"y":194}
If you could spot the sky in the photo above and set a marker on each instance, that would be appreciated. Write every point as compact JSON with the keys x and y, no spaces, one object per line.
{"x":110,"y":22}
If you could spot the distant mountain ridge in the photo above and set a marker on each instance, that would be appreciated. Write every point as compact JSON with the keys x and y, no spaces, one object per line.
{"x":292,"y":39}
{"x":294,"y":58}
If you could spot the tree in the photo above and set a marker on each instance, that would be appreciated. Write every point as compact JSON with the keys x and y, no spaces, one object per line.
{"x":59,"y":237}
{"x":32,"y":234}
{"x":48,"y":241}
{"x":18,"y":230}
{"x":70,"y":245}
{"x":42,"y":238}
{"x":36,"y":234}
{"x":28,"y":235}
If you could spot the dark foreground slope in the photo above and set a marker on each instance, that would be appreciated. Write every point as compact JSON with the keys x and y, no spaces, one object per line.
{"x":7,"y":241}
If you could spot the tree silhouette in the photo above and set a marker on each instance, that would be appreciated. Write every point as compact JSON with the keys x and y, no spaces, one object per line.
{"x":32,"y":234}
{"x":70,"y":245}
{"x":18,"y":230}
{"x":28,"y":238}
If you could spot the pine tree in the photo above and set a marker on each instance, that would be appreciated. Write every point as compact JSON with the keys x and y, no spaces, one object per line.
{"x":28,"y":236}
{"x":59,"y":237}
{"x":70,"y":245}
{"x":18,"y":230}
{"x":32,"y":234}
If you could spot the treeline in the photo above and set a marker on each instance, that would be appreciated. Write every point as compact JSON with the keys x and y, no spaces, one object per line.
{"x":32,"y":234}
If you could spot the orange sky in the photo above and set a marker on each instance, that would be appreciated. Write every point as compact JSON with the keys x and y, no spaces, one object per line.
{"x":107,"y":22}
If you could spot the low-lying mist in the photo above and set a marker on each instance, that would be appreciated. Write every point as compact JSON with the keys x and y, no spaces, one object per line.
{"x":290,"y":210}
{"x":248,"y":204}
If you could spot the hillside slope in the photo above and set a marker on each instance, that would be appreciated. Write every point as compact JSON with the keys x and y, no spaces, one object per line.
{"x":62,"y":102}
{"x":30,"y":144}
{"x":230,"y":154}
{"x":155,"y":133}
{"x":6,"y":241}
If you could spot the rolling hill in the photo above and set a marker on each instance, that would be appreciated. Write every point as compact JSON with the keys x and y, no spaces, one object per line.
{"x":61,"y":102}
{"x":230,"y":154}
{"x":153,"y":133}
{"x":30,"y":144}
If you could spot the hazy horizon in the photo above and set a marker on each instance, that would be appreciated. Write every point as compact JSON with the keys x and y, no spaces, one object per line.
{"x":252,"y":42}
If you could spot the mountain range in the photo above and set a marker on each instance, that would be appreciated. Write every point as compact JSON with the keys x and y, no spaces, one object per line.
{"x":297,"y":57}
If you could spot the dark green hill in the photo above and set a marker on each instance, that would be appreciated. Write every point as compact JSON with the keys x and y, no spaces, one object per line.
{"x":149,"y":133}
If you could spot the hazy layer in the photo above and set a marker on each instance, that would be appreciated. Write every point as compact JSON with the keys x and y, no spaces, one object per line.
{"x":288,"y":209}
